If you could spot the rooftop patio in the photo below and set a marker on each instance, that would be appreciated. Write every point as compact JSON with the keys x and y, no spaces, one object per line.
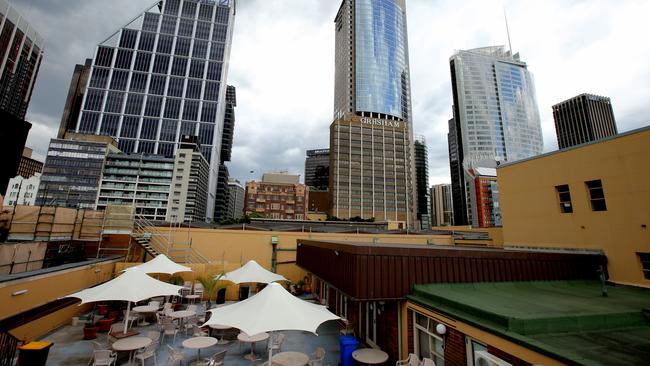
{"x":70,"y":349}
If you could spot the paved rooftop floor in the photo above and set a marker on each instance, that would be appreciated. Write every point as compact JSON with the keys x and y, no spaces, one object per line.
{"x":70,"y":349}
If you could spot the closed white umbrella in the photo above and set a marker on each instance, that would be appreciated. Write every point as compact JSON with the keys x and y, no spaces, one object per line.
{"x":161,"y":264}
{"x":133,"y":285}
{"x":252,"y":272}
{"x":272,"y":309}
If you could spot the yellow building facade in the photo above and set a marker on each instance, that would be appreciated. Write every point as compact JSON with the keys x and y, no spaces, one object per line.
{"x":592,"y":196}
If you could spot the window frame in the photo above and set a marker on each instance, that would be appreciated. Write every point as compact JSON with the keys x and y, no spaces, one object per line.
{"x":563,"y":203}
{"x":595,"y":201}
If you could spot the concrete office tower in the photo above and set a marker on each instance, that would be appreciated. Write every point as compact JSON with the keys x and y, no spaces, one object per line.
{"x":584,"y":118}
{"x":76,"y":93}
{"x":442,"y":207}
{"x":222,"y":200}
{"x":317,"y":165}
{"x":496,"y":119}
{"x":422,"y":182}
{"x":277,"y":196}
{"x":188,"y":194}
{"x":73,"y":170}
{"x":22,"y":191}
{"x":21,"y":52}
{"x":163,"y":76}
{"x":236,"y":198}
{"x":371,"y":138}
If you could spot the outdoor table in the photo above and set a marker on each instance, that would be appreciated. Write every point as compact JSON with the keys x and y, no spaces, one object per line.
{"x":182,"y":314}
{"x":192,"y":298}
{"x":198,"y":343}
{"x":370,"y":356}
{"x":131,"y":344}
{"x":220,"y":327}
{"x":243,"y":337}
{"x":291,"y":358}
{"x":144,"y":309}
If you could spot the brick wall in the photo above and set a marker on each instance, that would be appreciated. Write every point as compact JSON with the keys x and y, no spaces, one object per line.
{"x":455,"y":354}
{"x":387,"y":331}
{"x":409,"y":332}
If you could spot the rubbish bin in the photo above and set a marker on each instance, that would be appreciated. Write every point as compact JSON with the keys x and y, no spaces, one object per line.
{"x":348,"y":345}
{"x":34,"y":353}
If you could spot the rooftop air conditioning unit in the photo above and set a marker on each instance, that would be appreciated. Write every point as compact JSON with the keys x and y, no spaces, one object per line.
{"x":483,"y":358}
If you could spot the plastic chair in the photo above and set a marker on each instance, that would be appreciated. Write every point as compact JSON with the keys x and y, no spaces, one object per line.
{"x":427,"y":362}
{"x":276,"y":342}
{"x":174,"y":356}
{"x":198,"y":332}
{"x":217,"y":359}
{"x":169,"y":329}
{"x":154,"y":336}
{"x":411,"y":360}
{"x":319,"y":357}
{"x":147,"y":352}
{"x":104,"y":358}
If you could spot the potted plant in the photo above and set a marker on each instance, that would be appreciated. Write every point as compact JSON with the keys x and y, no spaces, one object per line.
{"x":90,"y":329}
{"x":299,"y":287}
{"x":210,"y":286}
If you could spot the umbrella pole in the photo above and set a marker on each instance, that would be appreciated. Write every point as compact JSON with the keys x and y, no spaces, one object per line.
{"x":126,"y":317}
{"x":270,"y":349}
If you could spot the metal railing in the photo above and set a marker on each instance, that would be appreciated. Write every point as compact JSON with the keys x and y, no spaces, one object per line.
{"x":165,"y":243}
{"x":8,"y":347}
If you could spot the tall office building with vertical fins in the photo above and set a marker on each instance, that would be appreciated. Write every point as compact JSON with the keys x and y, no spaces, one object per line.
{"x":162,"y":76}
{"x":371,"y":138}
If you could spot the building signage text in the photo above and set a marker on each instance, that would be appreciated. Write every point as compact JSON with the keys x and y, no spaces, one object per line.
{"x":380,"y":122}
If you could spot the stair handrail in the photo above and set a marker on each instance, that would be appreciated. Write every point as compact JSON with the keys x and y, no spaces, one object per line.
{"x":163,"y":242}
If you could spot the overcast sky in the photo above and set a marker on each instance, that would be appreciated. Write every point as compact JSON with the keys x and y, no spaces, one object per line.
{"x":282,"y":64}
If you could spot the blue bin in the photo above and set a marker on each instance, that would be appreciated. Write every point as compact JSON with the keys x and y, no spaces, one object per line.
{"x":348,"y":345}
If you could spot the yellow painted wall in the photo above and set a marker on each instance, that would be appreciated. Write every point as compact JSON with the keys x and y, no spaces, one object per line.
{"x":531,"y":209}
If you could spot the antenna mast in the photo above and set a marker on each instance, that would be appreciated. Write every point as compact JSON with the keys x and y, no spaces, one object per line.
{"x":507,"y":30}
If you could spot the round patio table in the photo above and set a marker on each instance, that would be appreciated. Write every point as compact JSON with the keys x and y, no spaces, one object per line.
{"x":220,"y":327}
{"x":192,"y":298}
{"x":131,"y":344}
{"x":243,"y":337}
{"x":291,"y":358}
{"x":182,"y":314}
{"x":145,"y":309}
{"x":199,"y":343}
{"x":370,"y":356}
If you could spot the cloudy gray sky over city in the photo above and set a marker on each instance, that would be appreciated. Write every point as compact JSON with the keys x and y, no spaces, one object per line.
{"x":282,"y":64}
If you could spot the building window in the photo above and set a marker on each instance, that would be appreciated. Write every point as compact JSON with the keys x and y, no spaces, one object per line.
{"x":564,"y":195}
{"x":371,"y":323}
{"x":645,"y":264}
{"x":427,"y":342}
{"x":596,"y":195}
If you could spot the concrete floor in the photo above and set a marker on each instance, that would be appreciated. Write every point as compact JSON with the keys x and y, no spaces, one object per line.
{"x":70,"y":349}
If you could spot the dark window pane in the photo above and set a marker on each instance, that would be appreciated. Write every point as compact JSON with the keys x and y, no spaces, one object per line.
{"x":216,"y":52}
{"x":182,"y":46}
{"x":123,"y":60}
{"x":166,"y":150}
{"x":150,"y":22}
{"x":206,"y":133}
{"x":219,"y":32}
{"x":128,"y":38}
{"x":214,"y":71}
{"x":142,"y":61}
{"x":209,"y":112}
{"x":94,"y":99}
{"x":189,"y":9}
{"x":99,"y":78}
{"x":172,"y":108}
{"x":154,"y":105}
{"x":146,"y":147}
{"x":138,"y":82}
{"x":119,"y":80}
{"x":205,"y":12}
{"x":134,"y":104}
{"x":191,"y":110}
{"x":188,"y":128}
{"x":222,"y":15}
{"x":126,"y":146}
{"x":168,"y":130}
{"x":175,"y":88}
{"x":200,"y":49}
{"x":161,"y":64}
{"x":179,"y":65}
{"x":193,"y":89}
{"x":157,"y":85}
{"x":109,"y":126}
{"x":202,"y":30}
{"x":165,"y":44}
{"x":186,"y":27}
{"x":168,"y":25}
{"x":147,"y":41}
{"x":88,"y":122}
{"x":129,"y":127}
{"x":211,"y":91}
{"x":114,"y":101}
{"x":172,"y":6}
{"x":104,"y":56}
{"x":149,"y":129}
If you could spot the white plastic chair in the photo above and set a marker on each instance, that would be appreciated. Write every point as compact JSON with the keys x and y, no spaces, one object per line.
{"x":104,"y":358}
{"x":170,"y":330}
{"x":147,"y":352}
{"x":320,"y":356}
{"x":411,"y":360}
{"x":174,"y":356}
{"x":427,"y":362}
{"x":276,"y":342}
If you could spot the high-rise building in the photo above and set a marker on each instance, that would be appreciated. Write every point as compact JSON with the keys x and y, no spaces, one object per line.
{"x":317,"y":165}
{"x":422,"y":182}
{"x":496,"y":119}
{"x":221,"y":199}
{"x":21,"y":52}
{"x":371,"y":138}
{"x":277,"y":196}
{"x":487,"y":212}
{"x":236,"y":198}
{"x":22,"y":191}
{"x":73,"y":170}
{"x":163,"y":76}
{"x":442,"y":208}
{"x":189,"y":193}
{"x":583,"y":118}
{"x":76,"y":92}
{"x":29,"y":166}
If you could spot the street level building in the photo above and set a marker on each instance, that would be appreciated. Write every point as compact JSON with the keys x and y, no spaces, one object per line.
{"x":73,"y":169}
{"x":277,"y":196}
{"x":317,"y":164}
{"x":22,"y":191}
{"x":371,"y":139}
{"x":584,"y":118}
{"x":189,"y":193}
{"x":21,"y":52}
{"x":486,"y":196}
{"x":442,"y":208}
{"x":28,"y":166}
{"x":422,"y":182}
{"x":138,"y":180}
{"x":496,"y":119}
{"x":161,"y":76}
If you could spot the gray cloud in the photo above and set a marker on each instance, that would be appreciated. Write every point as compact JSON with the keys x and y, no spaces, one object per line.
{"x":283,"y":53}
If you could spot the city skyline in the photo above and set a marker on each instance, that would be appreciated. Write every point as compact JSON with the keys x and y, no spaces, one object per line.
{"x":564,"y":52}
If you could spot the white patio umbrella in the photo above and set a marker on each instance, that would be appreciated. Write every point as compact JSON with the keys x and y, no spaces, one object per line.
{"x":272,"y":309}
{"x":161,"y":264}
{"x":131,"y":286}
{"x":252,"y":272}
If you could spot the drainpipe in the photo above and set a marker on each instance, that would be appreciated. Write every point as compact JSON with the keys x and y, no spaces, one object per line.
{"x":274,"y":254}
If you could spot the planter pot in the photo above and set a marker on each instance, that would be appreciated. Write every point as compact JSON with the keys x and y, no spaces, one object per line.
{"x":113,"y":314}
{"x":105,"y":324}
{"x":90,"y":332}
{"x":102,"y":309}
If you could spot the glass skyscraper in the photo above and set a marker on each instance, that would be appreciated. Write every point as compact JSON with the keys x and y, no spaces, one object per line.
{"x":496,"y":118}
{"x":163,"y":76}
{"x":371,"y":138}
